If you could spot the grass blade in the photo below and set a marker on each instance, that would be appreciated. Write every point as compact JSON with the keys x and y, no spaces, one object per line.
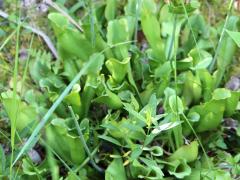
{"x":84,"y":142}
{"x":45,"y":119}
{"x":221,"y":37}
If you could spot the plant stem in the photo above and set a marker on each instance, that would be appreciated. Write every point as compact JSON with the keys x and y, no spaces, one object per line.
{"x":176,"y":131}
{"x":15,"y":98}
{"x":87,"y":159}
{"x":200,"y":143}
{"x":191,"y":29}
{"x":221,"y":37}
{"x":32,"y":139}
{"x":99,"y":169}
{"x":26,"y":66}
{"x":62,"y":161}
{"x":56,"y":7}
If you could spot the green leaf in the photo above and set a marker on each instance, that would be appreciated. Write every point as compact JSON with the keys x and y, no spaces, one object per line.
{"x":164,"y":70}
{"x":3,"y":161}
{"x":194,"y":117}
{"x":156,"y":172}
{"x":154,"y":150}
{"x":235,"y":36}
{"x":31,"y":170}
{"x":138,"y":169}
{"x":110,"y":99}
{"x":111,"y":9}
{"x":195,"y":174}
{"x":134,"y":113}
{"x":211,"y":114}
{"x":165,"y":126}
{"x":153,"y":35}
{"x":221,"y":93}
{"x":216,"y":174}
{"x":136,"y":152}
{"x":231,"y":99}
{"x":110,"y":139}
{"x":192,"y":90}
{"x":231,"y":103}
{"x":131,"y":8}
{"x":207,"y":83}
{"x":73,"y":98}
{"x":18,"y":111}
{"x":179,"y":168}
{"x":115,"y":170}
{"x":227,"y":50}
{"x":58,"y":135}
{"x":185,"y":64}
{"x":203,"y":64}
{"x":95,"y":63}
{"x":118,"y":69}
{"x":71,"y":42}
{"x":176,"y":104}
{"x":186,"y":152}
{"x":118,"y":32}
{"x":177,"y":7}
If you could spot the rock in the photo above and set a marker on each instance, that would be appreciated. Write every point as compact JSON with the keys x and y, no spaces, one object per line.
{"x":34,"y":156}
{"x":233,"y":83}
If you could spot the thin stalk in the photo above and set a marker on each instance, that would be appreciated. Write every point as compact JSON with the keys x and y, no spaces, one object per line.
{"x":33,"y":138}
{"x":54,"y":152}
{"x":176,"y":131}
{"x":99,"y":169}
{"x":56,"y":7}
{"x":199,"y":141}
{"x":7,"y":39}
{"x":26,"y":66}
{"x":115,"y":45}
{"x":169,"y":133}
{"x":138,"y":4}
{"x":92,"y":22}
{"x":221,"y":37}
{"x":5,"y":68}
{"x":191,"y":29}
{"x":15,"y":101}
{"x":46,"y":117}
{"x":4,"y":135}
{"x":172,"y":40}
{"x":62,"y":161}
{"x":87,"y":159}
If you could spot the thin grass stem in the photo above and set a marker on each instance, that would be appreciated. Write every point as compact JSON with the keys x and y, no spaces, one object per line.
{"x":99,"y":169}
{"x":191,"y":29}
{"x":199,"y":141}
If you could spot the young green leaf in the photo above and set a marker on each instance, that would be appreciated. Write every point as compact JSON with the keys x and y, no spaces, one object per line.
{"x":116,"y":170}
{"x":235,"y":36}
{"x":187,"y":152}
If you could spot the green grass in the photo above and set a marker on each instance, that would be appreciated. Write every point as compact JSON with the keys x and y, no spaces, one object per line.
{"x":15,"y":102}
